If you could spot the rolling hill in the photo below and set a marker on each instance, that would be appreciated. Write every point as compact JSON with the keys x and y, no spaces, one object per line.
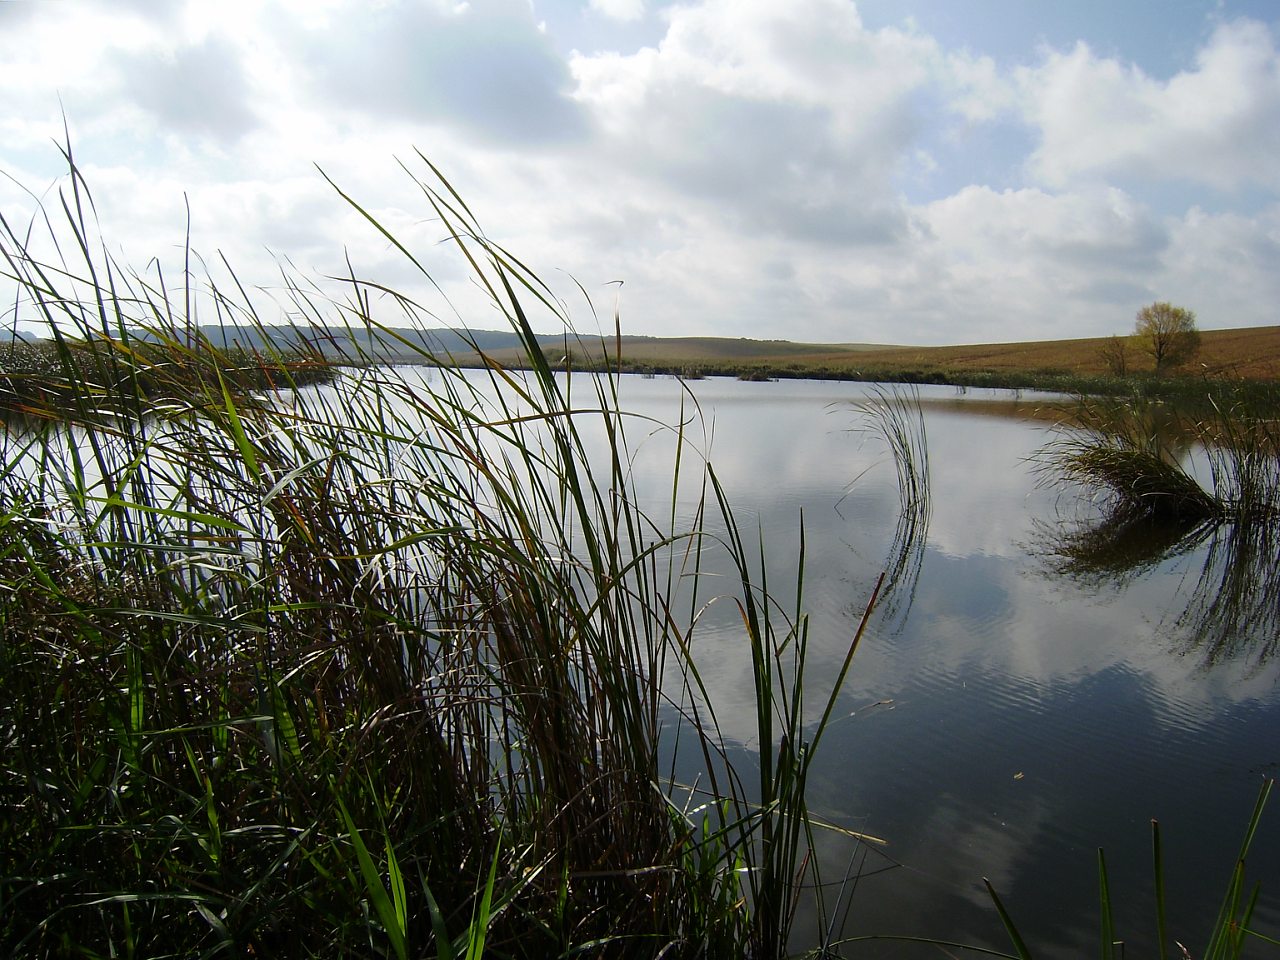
{"x":1242,"y":353}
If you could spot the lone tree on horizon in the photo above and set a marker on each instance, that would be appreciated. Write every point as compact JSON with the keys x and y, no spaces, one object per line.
{"x":1168,"y":333}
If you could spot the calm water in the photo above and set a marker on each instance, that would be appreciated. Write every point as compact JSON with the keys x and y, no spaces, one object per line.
{"x":1008,"y":713}
{"x":1010,"y":709}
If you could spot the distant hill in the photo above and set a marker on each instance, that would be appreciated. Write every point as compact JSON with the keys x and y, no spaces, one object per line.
{"x":1243,"y":352}
{"x":406,"y":345}
{"x":1246,"y":352}
{"x":401,"y":344}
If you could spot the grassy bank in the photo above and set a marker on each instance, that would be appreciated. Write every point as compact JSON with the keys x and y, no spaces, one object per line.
{"x":1192,"y":390}
{"x":120,"y":371}
{"x":376,"y":668}
{"x":1245,"y":359}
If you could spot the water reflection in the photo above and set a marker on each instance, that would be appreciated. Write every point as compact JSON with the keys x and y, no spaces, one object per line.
{"x":993,"y":670}
{"x":894,"y":416}
{"x":1232,"y":609}
{"x":1235,"y":607}
{"x":1142,"y":463}
{"x":1116,"y":548}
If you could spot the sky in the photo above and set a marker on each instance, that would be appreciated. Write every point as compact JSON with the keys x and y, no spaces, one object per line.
{"x":891,"y":171}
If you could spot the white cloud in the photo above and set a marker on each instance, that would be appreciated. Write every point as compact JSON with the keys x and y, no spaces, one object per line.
{"x":750,"y":173}
{"x":1085,"y":230}
{"x":200,"y":88}
{"x":788,"y":119}
{"x":1046,"y":262}
{"x":625,"y":10}
{"x":1223,"y":266}
{"x":1217,"y":124}
{"x":485,"y":68}
{"x":976,"y":88}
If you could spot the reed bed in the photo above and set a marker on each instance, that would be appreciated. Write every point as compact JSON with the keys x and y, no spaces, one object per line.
{"x":39,"y":379}
{"x":1136,"y":454}
{"x":376,"y":668}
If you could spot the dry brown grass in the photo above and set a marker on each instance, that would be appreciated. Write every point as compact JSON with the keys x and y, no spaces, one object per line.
{"x":1249,"y":353}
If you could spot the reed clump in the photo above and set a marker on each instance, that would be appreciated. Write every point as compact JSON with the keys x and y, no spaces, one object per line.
{"x":1143,"y":482}
{"x":1136,"y":453}
{"x":378,"y":667}
{"x":1173,"y":482}
{"x":131,"y":367}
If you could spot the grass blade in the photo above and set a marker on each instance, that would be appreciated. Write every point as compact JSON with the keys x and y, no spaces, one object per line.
{"x":1019,"y":946}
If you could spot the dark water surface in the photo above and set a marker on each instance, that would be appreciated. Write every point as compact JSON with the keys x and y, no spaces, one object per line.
{"x":1006,"y":714}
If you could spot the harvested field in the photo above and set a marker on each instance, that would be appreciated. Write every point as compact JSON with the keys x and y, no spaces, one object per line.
{"x":1245,"y":353}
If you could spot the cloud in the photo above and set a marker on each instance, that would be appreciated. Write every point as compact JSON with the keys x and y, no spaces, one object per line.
{"x":791,"y":120}
{"x":199,"y":88}
{"x":1216,"y":124}
{"x":1223,"y":266}
{"x":759,"y":169}
{"x":13,"y":14}
{"x":1046,"y":262}
{"x":481,"y":67}
{"x":49,"y":57}
{"x":625,"y":10}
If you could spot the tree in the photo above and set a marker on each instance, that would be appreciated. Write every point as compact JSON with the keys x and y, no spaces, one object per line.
{"x":1115,"y":354}
{"x":1168,"y":333}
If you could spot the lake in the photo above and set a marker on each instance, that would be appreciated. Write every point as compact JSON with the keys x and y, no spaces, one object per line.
{"x":1009,"y":711}
{"x":1022,"y":695}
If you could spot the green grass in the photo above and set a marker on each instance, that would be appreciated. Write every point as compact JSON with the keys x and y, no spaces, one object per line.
{"x":374,"y":668}
{"x":42,"y":379}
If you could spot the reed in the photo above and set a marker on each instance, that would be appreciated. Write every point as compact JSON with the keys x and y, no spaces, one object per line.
{"x":1133,"y":453}
{"x":372,"y":668}
{"x":1135,"y":456}
{"x":892,"y":415}
{"x":39,"y":379}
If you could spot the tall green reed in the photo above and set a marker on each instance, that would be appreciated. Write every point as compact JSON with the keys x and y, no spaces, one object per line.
{"x":381,"y":667}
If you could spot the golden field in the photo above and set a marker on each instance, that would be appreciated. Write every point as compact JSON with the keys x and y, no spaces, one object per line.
{"x":1251,"y":353}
